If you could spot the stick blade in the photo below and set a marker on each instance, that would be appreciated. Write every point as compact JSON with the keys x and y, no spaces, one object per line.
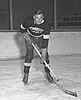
{"x":71,"y":93}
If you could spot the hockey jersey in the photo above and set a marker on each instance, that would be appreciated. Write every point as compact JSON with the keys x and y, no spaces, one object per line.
{"x":36,"y":30}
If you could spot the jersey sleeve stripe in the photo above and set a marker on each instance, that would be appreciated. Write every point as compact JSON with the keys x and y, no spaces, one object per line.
{"x":22,"y":27}
{"x":46,"y":36}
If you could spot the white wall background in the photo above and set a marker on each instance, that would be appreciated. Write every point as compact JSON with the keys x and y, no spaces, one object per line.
{"x":60,"y":43}
{"x":65,"y":43}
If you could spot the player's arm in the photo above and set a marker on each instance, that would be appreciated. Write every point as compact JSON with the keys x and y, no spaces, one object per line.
{"x":24,"y":28}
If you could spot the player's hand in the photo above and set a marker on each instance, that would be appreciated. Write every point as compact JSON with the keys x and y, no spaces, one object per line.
{"x":29,"y":42}
{"x":26,"y":36}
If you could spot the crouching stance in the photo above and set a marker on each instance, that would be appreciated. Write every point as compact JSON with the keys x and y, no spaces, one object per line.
{"x":36,"y":29}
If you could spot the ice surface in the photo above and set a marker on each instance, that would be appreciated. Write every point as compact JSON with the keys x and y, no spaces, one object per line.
{"x":68,"y":69}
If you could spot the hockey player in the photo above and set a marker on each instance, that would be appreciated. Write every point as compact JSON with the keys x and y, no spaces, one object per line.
{"x":36,"y":29}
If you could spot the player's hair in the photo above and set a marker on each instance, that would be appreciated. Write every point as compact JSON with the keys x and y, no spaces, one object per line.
{"x":39,"y":12}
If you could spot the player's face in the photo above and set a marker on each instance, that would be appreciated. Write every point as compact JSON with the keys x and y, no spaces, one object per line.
{"x":38,"y":18}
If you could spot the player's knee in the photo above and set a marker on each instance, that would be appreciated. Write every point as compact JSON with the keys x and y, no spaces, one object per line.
{"x":47,"y":60}
{"x":28,"y":58}
{"x":29,"y":55}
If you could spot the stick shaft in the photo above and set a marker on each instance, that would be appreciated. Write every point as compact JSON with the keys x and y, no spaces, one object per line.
{"x":55,"y":78}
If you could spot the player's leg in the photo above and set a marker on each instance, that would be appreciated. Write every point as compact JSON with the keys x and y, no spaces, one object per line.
{"x":27,"y":62}
{"x":46,"y":57}
{"x":42,"y":44}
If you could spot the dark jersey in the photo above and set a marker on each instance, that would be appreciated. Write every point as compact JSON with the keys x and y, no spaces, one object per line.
{"x":36,"y":30}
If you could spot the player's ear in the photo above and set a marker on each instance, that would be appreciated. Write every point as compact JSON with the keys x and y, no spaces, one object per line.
{"x":43,"y":16}
{"x":33,"y":16}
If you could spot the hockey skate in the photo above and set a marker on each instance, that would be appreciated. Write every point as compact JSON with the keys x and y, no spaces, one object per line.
{"x":25,"y":79}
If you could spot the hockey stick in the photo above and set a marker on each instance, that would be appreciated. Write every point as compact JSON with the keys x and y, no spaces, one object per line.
{"x":55,"y":81}
{"x":44,"y":62}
